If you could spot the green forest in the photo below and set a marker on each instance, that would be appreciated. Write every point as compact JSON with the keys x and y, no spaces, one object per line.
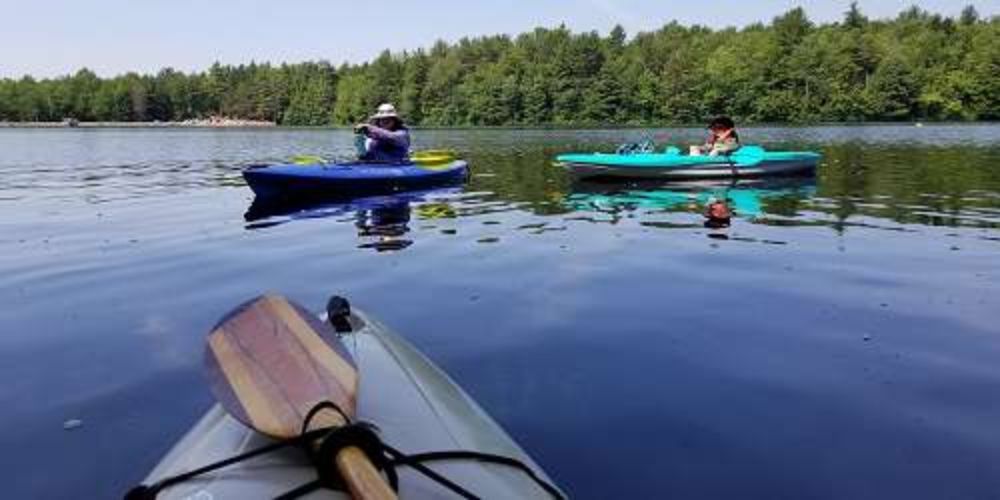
{"x":917,"y":66}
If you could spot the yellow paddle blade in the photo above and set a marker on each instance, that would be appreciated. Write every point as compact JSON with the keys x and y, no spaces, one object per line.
{"x":307,"y":159}
{"x":433,"y":156}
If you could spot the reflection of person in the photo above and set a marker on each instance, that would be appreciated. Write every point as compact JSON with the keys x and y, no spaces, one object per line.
{"x":385,"y":137}
{"x":717,"y":214}
{"x":384,"y":227}
{"x":723,"y":138}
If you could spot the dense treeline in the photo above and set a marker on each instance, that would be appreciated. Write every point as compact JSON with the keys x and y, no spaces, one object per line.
{"x":916,"y":66}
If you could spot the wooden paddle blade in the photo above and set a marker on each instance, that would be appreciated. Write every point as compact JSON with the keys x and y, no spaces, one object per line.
{"x":270,"y":361}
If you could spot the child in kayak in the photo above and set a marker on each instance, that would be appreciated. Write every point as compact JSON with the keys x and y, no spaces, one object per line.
{"x":385,"y":138}
{"x":723,"y":139}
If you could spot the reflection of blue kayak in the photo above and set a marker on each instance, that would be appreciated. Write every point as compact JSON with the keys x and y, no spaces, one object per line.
{"x":350,"y":179}
{"x":382,"y":221}
{"x":748,"y":161}
{"x":314,"y":208}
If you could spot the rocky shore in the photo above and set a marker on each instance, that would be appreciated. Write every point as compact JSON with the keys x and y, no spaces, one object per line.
{"x":212,"y":122}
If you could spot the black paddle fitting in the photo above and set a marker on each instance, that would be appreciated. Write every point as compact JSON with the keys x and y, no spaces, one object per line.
{"x":360,"y":435}
{"x":338,"y":313}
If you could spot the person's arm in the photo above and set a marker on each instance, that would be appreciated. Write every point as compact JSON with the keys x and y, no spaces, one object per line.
{"x":725,"y":145}
{"x":709,"y":142}
{"x":400,"y":138}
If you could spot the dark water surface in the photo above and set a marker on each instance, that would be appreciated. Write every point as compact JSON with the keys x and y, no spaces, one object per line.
{"x":839,"y":340}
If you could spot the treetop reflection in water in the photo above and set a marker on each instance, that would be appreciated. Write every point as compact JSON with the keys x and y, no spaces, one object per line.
{"x":857,"y":185}
{"x":910,"y":183}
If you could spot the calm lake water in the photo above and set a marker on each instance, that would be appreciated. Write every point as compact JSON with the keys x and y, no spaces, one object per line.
{"x":839,"y":340}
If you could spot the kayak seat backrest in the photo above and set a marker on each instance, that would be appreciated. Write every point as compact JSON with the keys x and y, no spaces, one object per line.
{"x":748,"y":151}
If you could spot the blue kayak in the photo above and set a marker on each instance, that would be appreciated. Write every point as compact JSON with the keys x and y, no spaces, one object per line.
{"x":350,"y":179}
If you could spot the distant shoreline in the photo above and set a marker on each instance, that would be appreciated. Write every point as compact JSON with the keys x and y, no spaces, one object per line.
{"x":200,"y":123}
{"x":237,"y":124}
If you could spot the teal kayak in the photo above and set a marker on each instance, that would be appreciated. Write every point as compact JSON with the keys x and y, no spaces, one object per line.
{"x":748,"y":161}
{"x":416,"y":407}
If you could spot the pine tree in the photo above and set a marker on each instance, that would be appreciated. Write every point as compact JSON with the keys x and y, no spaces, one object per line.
{"x":411,"y":93}
{"x":853,"y":18}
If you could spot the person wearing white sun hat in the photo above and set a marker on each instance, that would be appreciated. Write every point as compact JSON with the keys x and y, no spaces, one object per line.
{"x":385,"y":138}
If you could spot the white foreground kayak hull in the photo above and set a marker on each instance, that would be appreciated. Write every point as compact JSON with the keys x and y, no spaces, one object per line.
{"x":416,"y":406}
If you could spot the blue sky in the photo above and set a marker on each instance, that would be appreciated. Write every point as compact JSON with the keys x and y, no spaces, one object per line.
{"x":53,"y":37}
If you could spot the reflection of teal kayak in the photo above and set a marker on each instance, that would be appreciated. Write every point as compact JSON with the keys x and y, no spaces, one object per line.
{"x":746,"y":201}
{"x":743,"y":201}
{"x":748,"y":161}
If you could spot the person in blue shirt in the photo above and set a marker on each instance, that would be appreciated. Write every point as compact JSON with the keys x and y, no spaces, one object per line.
{"x":385,"y":138}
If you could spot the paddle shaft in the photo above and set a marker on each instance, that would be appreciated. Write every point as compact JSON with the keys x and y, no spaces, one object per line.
{"x":362,"y":479}
{"x":732,"y":164}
